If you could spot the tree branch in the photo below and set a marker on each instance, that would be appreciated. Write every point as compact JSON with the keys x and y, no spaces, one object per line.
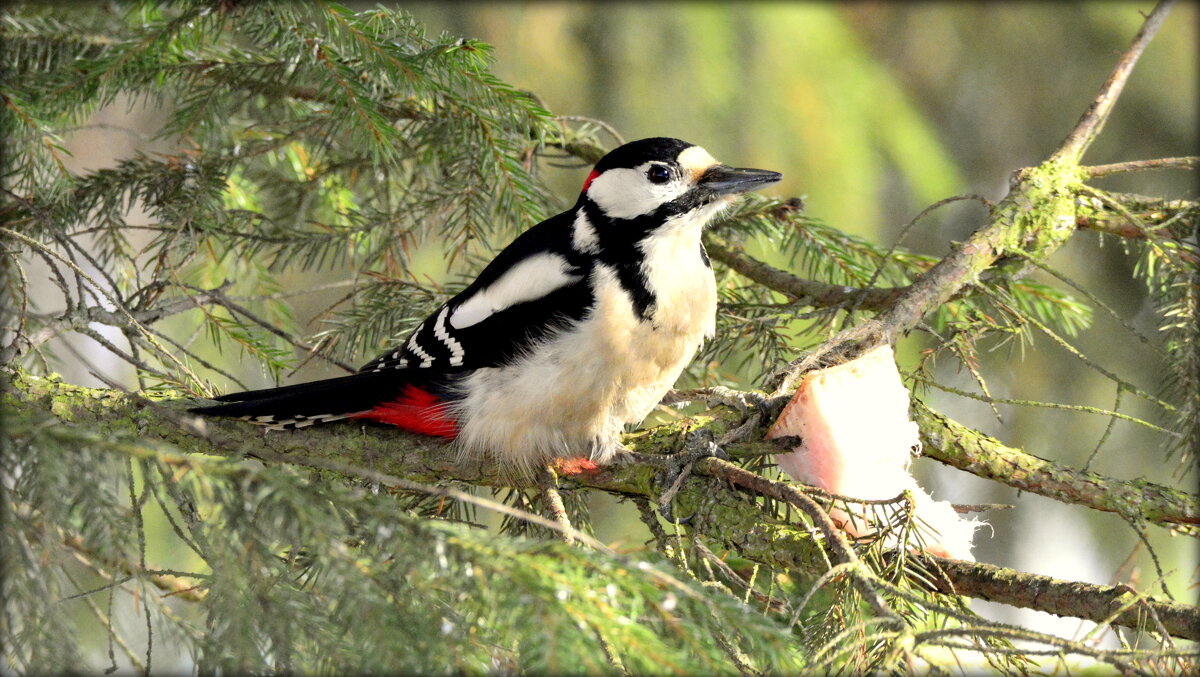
{"x":727,"y":516}
{"x":810,"y":292}
{"x":1132,"y":216}
{"x":1089,"y":126}
{"x":1099,"y":603}
{"x":1035,"y":218}
{"x":966,"y":449}
{"x":1096,"y":171}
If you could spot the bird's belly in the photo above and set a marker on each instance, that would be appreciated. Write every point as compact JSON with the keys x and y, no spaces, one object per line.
{"x":575,"y":394}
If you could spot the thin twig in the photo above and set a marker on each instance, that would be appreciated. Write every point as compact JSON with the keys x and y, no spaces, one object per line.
{"x":1190,"y":162}
{"x":1093,"y":119}
{"x":105,"y":619}
{"x":1145,"y":340}
{"x":777,"y":605}
{"x":222,"y":300}
{"x":1042,"y":405}
{"x":200,"y":385}
{"x":612,"y":131}
{"x":835,"y":543}
{"x":904,"y":234}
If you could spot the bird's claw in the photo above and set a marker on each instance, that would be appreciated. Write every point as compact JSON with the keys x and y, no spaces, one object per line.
{"x":754,"y":408}
{"x":678,"y":466}
{"x":743,"y":401}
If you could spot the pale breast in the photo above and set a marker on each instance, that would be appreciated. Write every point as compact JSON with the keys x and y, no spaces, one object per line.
{"x":574,"y":395}
{"x":683,"y":315}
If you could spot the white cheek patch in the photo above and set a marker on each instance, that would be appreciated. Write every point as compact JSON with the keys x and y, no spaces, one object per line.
{"x":627,"y":193}
{"x":695,"y":160}
{"x":529,"y":280}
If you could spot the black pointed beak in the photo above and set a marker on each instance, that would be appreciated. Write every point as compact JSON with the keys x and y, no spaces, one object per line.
{"x":721,"y":180}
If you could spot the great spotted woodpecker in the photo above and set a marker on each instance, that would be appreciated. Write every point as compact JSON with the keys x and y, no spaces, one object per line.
{"x":574,"y":330}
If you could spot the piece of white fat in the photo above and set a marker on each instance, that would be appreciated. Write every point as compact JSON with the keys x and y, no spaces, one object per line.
{"x":857,"y":441}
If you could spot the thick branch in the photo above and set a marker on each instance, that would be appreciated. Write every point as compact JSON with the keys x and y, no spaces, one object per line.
{"x":978,"y":454}
{"x":1096,"y":603}
{"x":722,"y":514}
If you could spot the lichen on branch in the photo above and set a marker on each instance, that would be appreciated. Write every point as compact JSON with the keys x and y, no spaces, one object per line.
{"x":723,"y":513}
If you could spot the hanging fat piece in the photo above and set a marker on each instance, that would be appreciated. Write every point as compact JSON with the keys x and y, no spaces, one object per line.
{"x":857,"y":441}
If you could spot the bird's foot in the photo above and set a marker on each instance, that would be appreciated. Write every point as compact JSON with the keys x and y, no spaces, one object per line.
{"x":753,"y":406}
{"x":677,"y":467}
{"x":746,"y":402}
{"x":576,"y":466}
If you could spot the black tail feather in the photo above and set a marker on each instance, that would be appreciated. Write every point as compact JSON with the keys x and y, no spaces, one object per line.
{"x":330,"y":397}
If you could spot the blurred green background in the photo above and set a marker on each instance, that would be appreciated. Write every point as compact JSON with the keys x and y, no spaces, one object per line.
{"x":873,"y":111}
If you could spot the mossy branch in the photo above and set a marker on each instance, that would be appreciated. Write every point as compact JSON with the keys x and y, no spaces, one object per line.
{"x":970,"y":450}
{"x":724,"y":514}
{"x":1039,"y":213}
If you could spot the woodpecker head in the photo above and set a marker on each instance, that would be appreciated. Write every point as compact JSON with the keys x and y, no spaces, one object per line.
{"x":665,"y":177}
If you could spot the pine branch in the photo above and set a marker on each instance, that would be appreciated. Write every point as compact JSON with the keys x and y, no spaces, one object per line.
{"x":969,"y":450}
{"x":1034,"y":220}
{"x":729,"y":517}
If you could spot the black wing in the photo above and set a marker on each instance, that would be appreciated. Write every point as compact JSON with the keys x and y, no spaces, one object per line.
{"x":535,"y":287}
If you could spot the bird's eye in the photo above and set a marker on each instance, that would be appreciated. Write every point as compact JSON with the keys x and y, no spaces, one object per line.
{"x":658,"y":174}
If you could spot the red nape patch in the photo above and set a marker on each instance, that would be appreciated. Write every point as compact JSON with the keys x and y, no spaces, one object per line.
{"x":415,"y":410}
{"x":576,"y":466}
{"x":591,"y":177}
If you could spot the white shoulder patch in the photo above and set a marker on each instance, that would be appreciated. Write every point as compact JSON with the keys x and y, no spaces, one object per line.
{"x":530,"y":279}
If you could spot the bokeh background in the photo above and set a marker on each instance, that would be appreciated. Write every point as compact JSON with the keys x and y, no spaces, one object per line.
{"x":873,"y":111}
